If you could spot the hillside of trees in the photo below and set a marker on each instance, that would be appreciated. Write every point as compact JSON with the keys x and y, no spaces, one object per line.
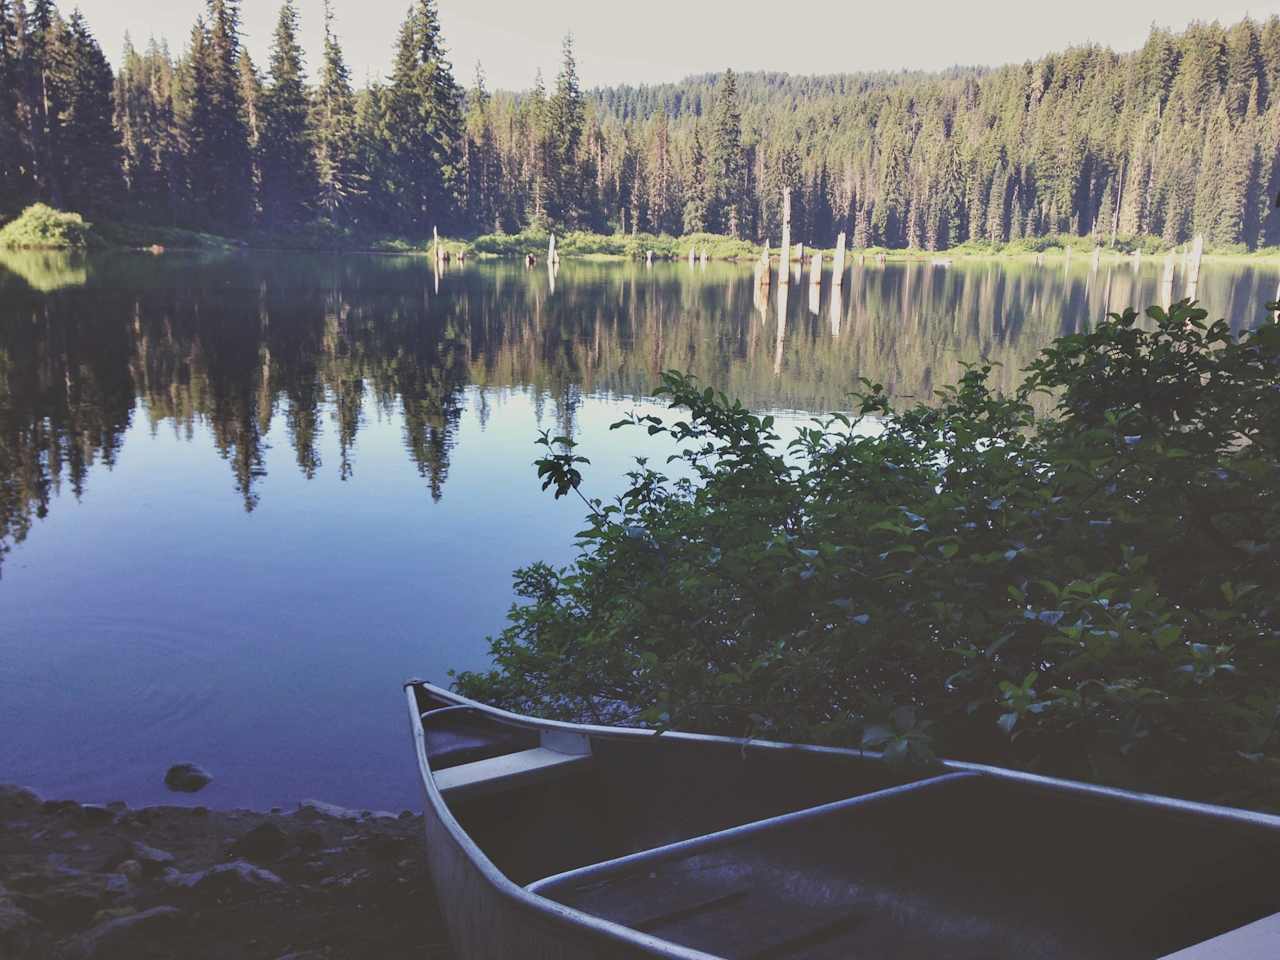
{"x":1179,"y":138}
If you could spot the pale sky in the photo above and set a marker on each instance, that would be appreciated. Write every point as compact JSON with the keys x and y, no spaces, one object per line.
{"x":653,"y":41}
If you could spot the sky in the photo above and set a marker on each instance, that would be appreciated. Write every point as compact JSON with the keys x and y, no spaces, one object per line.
{"x":655,"y":41}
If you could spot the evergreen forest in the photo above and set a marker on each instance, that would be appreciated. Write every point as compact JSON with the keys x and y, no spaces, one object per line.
{"x":1178,"y":138}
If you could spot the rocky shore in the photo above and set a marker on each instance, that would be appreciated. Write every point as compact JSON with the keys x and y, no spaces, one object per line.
{"x":90,"y":882}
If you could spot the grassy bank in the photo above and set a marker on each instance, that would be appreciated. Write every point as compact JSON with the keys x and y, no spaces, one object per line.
{"x":40,"y":227}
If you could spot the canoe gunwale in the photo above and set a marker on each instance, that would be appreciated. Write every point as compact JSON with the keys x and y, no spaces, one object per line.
{"x":1149,"y":800}
{"x":711,"y":841}
{"x":545,"y":910}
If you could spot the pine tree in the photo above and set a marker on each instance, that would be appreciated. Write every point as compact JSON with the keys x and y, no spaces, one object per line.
{"x":38,"y":98}
{"x":728,"y":167}
{"x":423,"y":124}
{"x":534,"y":160}
{"x":222,"y":178}
{"x":87,"y":166}
{"x":285,"y":147}
{"x":13,"y":183}
{"x":191,"y":115}
{"x":1243,"y":68}
{"x":251,"y":100}
{"x":697,"y":198}
{"x":340,"y":181}
{"x":442,"y":98}
{"x":481,"y":160}
{"x":660,"y":201}
{"x":378,"y":208}
{"x":565,"y":118}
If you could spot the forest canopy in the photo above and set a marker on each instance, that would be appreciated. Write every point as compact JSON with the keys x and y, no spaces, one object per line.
{"x":1176,"y":139}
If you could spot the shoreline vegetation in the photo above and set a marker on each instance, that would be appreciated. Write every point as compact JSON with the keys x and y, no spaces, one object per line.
{"x":41,"y":227}
{"x":97,"y":882}
{"x":1087,"y":593}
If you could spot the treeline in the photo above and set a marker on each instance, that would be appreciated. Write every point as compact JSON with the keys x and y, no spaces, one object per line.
{"x":1179,"y":138}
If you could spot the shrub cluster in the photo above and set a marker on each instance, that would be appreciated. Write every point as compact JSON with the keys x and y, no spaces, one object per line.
{"x":41,"y":227}
{"x":1091,"y":594}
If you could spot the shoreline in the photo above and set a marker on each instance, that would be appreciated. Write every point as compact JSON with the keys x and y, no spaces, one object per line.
{"x":1054,"y":255}
{"x":84,"y":881}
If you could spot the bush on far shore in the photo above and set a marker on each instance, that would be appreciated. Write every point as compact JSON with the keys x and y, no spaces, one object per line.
{"x":41,"y":227}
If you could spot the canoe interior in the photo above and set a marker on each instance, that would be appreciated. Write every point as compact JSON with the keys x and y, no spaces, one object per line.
{"x":963,"y":866}
{"x":972,"y":869}
{"x":635,"y":795}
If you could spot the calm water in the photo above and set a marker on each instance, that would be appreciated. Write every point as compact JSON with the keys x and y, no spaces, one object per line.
{"x":243,"y":498}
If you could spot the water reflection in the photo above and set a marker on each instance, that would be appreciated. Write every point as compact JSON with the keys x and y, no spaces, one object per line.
{"x":238,"y":342}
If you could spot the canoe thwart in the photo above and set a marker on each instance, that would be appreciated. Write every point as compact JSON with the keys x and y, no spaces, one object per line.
{"x":507,"y":771}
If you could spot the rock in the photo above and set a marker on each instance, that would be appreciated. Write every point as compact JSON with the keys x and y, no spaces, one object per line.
{"x":310,"y":809}
{"x":69,"y":903}
{"x":237,"y":878}
{"x":385,"y":847}
{"x":263,"y":843}
{"x":96,"y":814}
{"x":131,"y":869}
{"x":14,"y":921}
{"x":151,"y":859}
{"x":187,"y":778}
{"x":116,"y":884}
{"x":18,"y":800}
{"x":309,"y":839}
{"x":126,"y":936}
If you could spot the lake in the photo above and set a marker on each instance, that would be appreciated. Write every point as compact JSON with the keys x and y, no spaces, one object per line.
{"x":243,"y":497}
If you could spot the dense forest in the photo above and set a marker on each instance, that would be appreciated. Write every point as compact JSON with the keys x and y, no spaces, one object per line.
{"x":1179,"y":138}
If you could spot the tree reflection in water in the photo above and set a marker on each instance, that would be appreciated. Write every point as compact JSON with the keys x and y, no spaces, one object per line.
{"x":231,"y":342}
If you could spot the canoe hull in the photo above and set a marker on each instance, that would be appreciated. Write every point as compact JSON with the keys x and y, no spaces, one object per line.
{"x":699,"y":847}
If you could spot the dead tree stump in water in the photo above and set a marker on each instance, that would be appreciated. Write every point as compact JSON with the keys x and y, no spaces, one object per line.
{"x":784,"y":254}
{"x":1193,"y":266}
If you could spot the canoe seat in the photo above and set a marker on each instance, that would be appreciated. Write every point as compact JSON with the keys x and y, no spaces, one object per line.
{"x":511,"y":770}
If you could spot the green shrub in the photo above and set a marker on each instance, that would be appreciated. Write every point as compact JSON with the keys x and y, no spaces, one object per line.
{"x":41,"y":227}
{"x":578,"y":243}
{"x":139,"y":236}
{"x":1091,"y":595}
